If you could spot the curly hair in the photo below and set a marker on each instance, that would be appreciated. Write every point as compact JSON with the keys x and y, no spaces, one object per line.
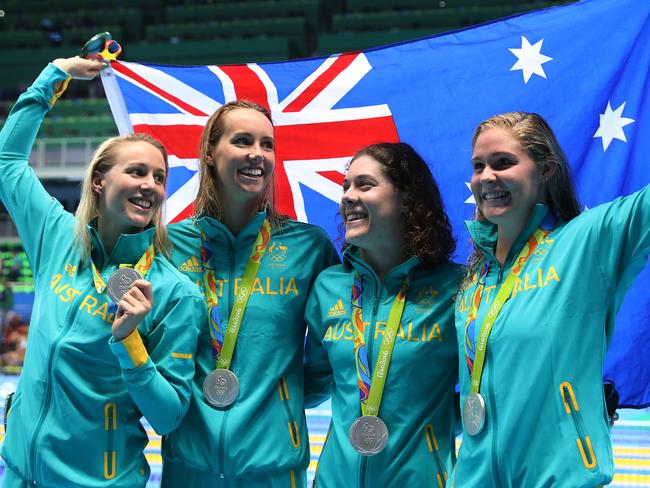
{"x":207,"y":200}
{"x":427,"y":231}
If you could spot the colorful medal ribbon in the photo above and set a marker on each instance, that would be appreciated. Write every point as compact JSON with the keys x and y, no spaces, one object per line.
{"x":475,"y":353}
{"x":371,"y":392}
{"x":223,"y":345}
{"x":471,"y":318}
{"x":142,"y":267}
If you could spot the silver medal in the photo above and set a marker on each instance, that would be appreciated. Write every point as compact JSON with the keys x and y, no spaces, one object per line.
{"x":221,"y":388}
{"x":368,"y":435}
{"x":473,"y":414}
{"x":120,"y":282}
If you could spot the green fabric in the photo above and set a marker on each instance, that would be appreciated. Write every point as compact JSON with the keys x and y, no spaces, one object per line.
{"x":555,"y":329}
{"x":264,"y":431}
{"x":177,"y":474}
{"x":74,"y":403}
{"x":418,"y":402}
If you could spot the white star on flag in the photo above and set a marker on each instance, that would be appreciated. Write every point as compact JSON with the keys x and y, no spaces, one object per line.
{"x":611,"y":125}
{"x":471,"y":196}
{"x":529,"y":59}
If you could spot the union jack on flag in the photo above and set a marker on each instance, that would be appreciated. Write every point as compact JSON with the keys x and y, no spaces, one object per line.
{"x":314,"y":138}
{"x":583,"y":66}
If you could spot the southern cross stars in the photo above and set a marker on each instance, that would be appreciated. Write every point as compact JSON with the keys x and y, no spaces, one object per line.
{"x":530,"y":59}
{"x":611,"y":125}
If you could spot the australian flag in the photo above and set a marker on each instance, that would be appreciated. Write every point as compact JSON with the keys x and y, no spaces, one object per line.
{"x":583,"y":66}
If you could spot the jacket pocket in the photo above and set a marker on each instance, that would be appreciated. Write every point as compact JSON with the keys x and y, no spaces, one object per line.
{"x":582,"y":439}
{"x":110,"y":427}
{"x":292,"y":425}
{"x":432,"y":445}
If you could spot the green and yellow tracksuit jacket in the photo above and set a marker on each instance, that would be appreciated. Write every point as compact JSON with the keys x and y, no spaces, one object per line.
{"x":264,"y":431}
{"x":547,"y":422}
{"x":418,"y":401}
{"x":75,"y":419}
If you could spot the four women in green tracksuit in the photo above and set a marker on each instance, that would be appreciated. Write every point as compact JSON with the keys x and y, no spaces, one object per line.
{"x":381,"y":333}
{"x":536,"y":312}
{"x":93,"y":368}
{"x":246,"y":423}
{"x":533,"y":316}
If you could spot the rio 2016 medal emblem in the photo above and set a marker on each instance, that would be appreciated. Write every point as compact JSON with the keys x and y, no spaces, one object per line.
{"x":368,"y":435}
{"x":120,"y":282}
{"x":473,"y":413}
{"x":221,"y":388}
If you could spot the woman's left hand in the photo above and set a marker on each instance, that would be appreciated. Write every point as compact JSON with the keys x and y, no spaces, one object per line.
{"x":131,"y":309}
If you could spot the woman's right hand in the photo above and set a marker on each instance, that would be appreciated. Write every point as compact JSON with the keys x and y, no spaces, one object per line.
{"x":80,"y":68}
{"x":134,"y":305}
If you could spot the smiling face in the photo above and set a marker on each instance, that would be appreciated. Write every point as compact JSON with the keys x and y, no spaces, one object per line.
{"x":244,"y":157}
{"x":506,"y":182}
{"x":371,"y":208}
{"x":131,"y":191}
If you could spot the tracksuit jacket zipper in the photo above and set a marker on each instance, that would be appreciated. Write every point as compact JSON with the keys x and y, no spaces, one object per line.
{"x":363,"y":468}
{"x":51,"y":361}
{"x":224,"y":422}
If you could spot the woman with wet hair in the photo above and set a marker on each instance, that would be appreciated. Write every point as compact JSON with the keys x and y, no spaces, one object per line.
{"x":536,"y":312}
{"x":246,"y":425}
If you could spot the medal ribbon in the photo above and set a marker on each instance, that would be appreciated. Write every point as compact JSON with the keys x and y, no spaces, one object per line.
{"x":142,"y":267}
{"x":476,"y":361}
{"x":223,"y":343}
{"x":371,"y":392}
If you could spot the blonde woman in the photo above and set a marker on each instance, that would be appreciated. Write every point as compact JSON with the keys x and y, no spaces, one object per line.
{"x":114,"y":325}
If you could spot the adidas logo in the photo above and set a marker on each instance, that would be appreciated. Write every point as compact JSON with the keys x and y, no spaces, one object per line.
{"x":337,"y":309}
{"x":70,"y":269}
{"x":192,"y":265}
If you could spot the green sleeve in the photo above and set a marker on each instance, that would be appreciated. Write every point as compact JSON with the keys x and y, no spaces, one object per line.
{"x":34,"y":212}
{"x":330,"y":256}
{"x":318,"y":371}
{"x":160,"y":386}
{"x":622,"y":238}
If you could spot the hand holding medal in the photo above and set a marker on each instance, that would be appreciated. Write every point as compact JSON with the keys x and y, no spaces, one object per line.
{"x":133,"y":303}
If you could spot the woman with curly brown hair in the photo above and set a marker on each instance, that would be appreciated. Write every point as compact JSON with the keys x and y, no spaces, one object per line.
{"x":381,"y":332}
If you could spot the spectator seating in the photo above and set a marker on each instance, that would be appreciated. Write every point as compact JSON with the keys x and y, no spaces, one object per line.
{"x":32,"y":32}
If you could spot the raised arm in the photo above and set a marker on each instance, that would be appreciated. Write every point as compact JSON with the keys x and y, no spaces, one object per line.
{"x":31,"y":208}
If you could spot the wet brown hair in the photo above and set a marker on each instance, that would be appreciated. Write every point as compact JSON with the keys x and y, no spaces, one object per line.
{"x":207,"y":201}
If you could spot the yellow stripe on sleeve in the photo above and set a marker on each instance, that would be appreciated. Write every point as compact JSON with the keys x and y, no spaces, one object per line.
{"x":135,"y":348}
{"x":181,"y":355}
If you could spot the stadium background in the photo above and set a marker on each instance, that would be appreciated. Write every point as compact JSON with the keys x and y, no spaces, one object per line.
{"x":192,"y":32}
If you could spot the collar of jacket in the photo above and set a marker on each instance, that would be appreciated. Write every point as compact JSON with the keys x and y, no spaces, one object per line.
{"x":128,"y":248}
{"x":213,"y":227}
{"x":393,"y":279}
{"x":485,"y":233}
